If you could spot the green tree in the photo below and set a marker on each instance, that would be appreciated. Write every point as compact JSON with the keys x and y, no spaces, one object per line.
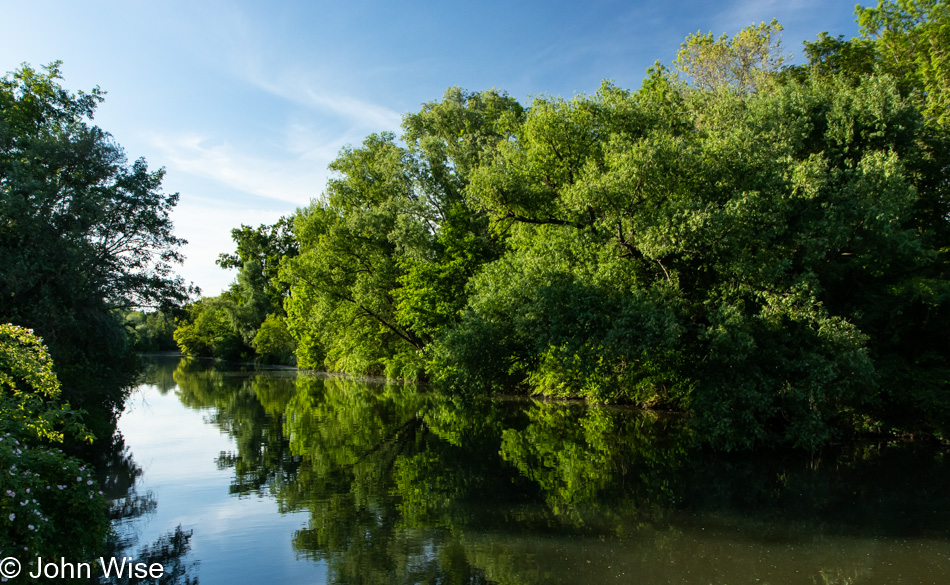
{"x":206,"y":330}
{"x":740,"y":62}
{"x":266,"y":247}
{"x":912,"y":42}
{"x":449,"y":139}
{"x":385,"y":257}
{"x":343,"y":279}
{"x":82,"y":233}
{"x":151,"y":331}
{"x":740,"y":254}
{"x":828,"y":55}
{"x":273,"y":341}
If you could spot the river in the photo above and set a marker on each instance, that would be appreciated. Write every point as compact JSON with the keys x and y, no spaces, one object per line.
{"x":284,"y":477}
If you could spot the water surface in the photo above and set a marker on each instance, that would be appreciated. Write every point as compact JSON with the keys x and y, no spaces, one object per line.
{"x":271,"y":476}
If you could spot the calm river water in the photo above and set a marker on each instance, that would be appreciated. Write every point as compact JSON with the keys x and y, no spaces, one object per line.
{"x":278,"y":477}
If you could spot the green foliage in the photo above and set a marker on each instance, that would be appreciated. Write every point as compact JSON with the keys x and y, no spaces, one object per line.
{"x":764,"y":246}
{"x":82,"y":234}
{"x":50,"y":504}
{"x":151,"y":331}
{"x":273,"y":342}
{"x":740,"y":255}
{"x":207,"y":330}
{"x":912,"y":41}
{"x":386,"y":256}
{"x":341,"y":293}
{"x":248,"y":304}
{"x":740,"y":63}
{"x":835,"y":55}
{"x":266,"y":247}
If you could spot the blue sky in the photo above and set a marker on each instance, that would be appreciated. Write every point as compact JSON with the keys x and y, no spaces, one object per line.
{"x":245,"y":103}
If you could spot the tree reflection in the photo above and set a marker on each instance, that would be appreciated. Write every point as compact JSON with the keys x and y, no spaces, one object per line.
{"x":250,"y":409}
{"x":119,"y":477}
{"x":403,"y":486}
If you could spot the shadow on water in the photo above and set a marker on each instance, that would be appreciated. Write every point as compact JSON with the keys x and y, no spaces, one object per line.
{"x":403,"y":486}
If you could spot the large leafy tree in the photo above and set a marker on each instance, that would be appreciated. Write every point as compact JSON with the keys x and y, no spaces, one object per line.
{"x":258,"y":255}
{"x":82,"y":233}
{"x":755,"y":256}
{"x":386,"y":255}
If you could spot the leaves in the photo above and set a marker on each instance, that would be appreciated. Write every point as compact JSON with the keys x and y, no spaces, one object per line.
{"x":82,"y":233}
{"x":740,"y":63}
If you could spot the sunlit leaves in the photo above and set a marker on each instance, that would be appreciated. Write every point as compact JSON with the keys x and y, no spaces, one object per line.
{"x":740,"y":63}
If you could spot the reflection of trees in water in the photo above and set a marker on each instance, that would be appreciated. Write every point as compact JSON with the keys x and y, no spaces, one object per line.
{"x":118,"y":476}
{"x":170,"y":550}
{"x":406,"y":487}
{"x":353,"y":439}
{"x":250,"y":409}
{"x":159,"y":371}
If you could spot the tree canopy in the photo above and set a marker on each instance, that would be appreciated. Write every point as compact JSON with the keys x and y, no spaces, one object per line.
{"x":762,"y":245}
{"x":83,"y":233}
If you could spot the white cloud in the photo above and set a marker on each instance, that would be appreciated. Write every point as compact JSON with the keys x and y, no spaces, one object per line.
{"x":249,"y":50}
{"x":293,"y":179}
{"x":362,"y":116}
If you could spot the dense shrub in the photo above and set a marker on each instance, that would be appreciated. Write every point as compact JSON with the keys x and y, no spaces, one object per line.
{"x":50,"y":502}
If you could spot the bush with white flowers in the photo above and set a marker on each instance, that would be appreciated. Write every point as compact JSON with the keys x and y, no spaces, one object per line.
{"x":50,"y":503}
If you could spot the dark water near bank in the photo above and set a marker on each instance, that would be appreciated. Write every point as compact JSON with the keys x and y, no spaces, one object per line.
{"x":286,"y":478}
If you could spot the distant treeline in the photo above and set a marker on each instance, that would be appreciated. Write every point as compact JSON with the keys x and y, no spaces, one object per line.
{"x":760,"y":244}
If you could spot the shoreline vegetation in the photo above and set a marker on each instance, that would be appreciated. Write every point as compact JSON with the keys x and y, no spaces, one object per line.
{"x":761,"y":245}
{"x":857,"y":438}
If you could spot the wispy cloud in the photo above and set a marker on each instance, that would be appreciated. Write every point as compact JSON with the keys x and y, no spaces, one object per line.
{"x":358,"y":115}
{"x":294,"y":179}
{"x":247,"y":48}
